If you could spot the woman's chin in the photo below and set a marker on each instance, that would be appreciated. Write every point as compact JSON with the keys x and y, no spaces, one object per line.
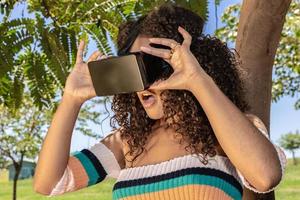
{"x":155,"y":112}
{"x":154,"y":115}
{"x":154,"y":109}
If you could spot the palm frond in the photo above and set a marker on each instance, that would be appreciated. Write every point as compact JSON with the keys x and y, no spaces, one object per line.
{"x":15,"y":35}
{"x":110,"y":4}
{"x":99,"y":36}
{"x":38,"y":79}
{"x":57,"y":60}
{"x":18,"y":88}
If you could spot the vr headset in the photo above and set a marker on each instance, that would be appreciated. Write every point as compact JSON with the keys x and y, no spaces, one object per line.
{"x":128,"y":72}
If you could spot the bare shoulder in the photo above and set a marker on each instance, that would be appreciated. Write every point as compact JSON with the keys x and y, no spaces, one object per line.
{"x":114,"y":142}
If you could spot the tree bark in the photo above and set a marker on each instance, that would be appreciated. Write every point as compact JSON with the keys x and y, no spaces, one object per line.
{"x":259,"y":32}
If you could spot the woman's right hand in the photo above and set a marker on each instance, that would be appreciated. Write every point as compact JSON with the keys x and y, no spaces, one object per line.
{"x":79,"y":83}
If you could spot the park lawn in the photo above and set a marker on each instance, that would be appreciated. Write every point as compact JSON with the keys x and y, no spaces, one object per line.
{"x":288,"y":189}
{"x":100,"y":191}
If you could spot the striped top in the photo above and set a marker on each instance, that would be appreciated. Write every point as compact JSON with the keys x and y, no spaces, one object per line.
{"x":184,"y":177}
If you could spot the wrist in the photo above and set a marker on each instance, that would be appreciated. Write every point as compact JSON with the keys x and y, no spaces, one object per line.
{"x":72,"y":100}
{"x":199,"y":80}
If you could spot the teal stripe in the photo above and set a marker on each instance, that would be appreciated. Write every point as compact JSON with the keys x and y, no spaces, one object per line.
{"x":88,"y":166}
{"x":176,"y":182}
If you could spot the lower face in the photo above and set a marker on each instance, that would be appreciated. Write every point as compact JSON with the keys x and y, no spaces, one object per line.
{"x":153,"y":105}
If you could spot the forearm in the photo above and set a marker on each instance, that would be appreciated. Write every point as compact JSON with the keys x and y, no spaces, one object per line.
{"x":251,"y":152}
{"x":53,"y":157}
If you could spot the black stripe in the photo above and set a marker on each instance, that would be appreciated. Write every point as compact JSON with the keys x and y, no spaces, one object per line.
{"x":96,"y":163}
{"x":195,"y":170}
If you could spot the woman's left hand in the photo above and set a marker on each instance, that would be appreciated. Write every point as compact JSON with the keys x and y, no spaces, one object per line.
{"x":186,"y":67}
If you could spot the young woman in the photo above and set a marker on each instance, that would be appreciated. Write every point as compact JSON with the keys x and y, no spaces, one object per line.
{"x":166,"y":132}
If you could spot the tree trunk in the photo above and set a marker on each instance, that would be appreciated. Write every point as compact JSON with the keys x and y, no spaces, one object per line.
{"x":259,"y":31}
{"x":294,"y":158}
{"x":17,"y":172}
{"x":18,"y":167}
{"x":15,"y":188}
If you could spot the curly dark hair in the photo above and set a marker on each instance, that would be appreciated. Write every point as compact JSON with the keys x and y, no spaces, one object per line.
{"x":182,"y":111}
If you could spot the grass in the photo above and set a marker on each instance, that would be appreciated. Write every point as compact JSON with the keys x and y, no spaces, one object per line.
{"x":25,"y":191}
{"x":288,"y":189}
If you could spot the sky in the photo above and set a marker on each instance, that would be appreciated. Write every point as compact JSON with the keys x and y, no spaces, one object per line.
{"x":284,"y":118}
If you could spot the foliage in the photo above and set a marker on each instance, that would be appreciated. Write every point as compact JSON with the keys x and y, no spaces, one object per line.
{"x":6,"y":7}
{"x":20,"y":131}
{"x":37,"y":53}
{"x":30,"y":53}
{"x":290,"y":141}
{"x":101,"y":17}
{"x":105,"y":12}
{"x":3,"y":163}
{"x":20,"y":135}
{"x":287,"y":60}
{"x":15,"y":35}
{"x":45,"y":46}
{"x":90,"y":113}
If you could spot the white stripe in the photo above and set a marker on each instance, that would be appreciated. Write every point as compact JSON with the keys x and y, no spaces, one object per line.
{"x":65,"y":184}
{"x":107,"y":158}
{"x":187,"y":161}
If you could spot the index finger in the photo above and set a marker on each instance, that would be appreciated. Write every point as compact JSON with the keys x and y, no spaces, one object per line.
{"x":79,"y":57}
{"x":187,"y":37}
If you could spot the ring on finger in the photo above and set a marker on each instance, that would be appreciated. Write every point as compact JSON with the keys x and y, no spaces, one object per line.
{"x":175,"y":45}
{"x":172,"y":51}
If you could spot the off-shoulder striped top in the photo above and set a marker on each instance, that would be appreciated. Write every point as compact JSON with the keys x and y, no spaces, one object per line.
{"x":180,"y":178}
{"x":184,"y":177}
